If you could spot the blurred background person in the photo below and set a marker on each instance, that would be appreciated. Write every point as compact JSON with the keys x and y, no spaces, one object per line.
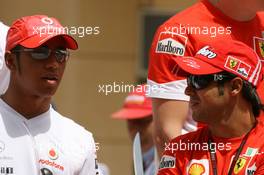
{"x":137,"y":111}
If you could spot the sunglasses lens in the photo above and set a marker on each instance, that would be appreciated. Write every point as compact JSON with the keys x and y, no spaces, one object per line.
{"x":199,"y":82}
{"x":44,"y":52}
{"x":202,"y":82}
{"x":40,"y":53}
{"x":61,"y":55}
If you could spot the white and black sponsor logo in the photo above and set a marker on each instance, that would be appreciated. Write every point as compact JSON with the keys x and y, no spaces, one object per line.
{"x":6,"y":170}
{"x":243,"y":72}
{"x":251,"y":170}
{"x":170,"y":43}
{"x":167,"y":162}
{"x":205,"y":51}
{"x":170,"y":46}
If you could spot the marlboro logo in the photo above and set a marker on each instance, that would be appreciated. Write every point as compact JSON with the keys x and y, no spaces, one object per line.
{"x":171,"y":43}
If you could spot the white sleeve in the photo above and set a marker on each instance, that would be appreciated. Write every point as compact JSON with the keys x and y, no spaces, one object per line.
{"x":4,"y":71}
{"x":90,"y":166}
{"x":172,"y":90}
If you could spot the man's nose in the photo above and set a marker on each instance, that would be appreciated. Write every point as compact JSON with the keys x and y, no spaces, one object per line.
{"x":52,"y":62}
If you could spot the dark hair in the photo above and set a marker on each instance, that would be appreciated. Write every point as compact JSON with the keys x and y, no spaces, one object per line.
{"x":248,"y":92}
{"x":17,"y":47}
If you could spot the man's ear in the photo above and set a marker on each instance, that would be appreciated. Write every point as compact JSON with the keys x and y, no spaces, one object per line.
{"x":10,"y":60}
{"x":236,"y":86}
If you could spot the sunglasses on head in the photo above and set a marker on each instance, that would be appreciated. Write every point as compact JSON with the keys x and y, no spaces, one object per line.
{"x":202,"y":81}
{"x":44,"y":52}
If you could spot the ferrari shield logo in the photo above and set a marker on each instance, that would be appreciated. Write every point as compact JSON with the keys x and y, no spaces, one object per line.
{"x":259,"y":46}
{"x":241,"y":162}
{"x":233,"y":63}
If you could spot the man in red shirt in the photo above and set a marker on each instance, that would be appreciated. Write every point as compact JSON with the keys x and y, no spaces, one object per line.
{"x":221,"y":83}
{"x":183,"y":35}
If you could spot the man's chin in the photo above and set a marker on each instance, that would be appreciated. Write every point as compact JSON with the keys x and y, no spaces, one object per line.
{"x":198,"y":119}
{"x":48,"y":93}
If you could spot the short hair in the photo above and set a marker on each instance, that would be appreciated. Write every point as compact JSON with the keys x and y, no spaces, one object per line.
{"x":17,"y":47}
{"x":249,"y":92}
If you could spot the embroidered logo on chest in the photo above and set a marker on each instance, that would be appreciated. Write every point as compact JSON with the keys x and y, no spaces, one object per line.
{"x":198,"y":167}
{"x":259,"y":46}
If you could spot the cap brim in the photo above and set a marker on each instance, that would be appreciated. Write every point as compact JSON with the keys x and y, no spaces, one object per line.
{"x":132,"y":113}
{"x":196,"y":66}
{"x":37,"y":40}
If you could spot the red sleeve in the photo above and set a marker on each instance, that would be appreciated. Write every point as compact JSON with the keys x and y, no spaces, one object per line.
{"x":260,"y":165}
{"x":169,"y":42}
